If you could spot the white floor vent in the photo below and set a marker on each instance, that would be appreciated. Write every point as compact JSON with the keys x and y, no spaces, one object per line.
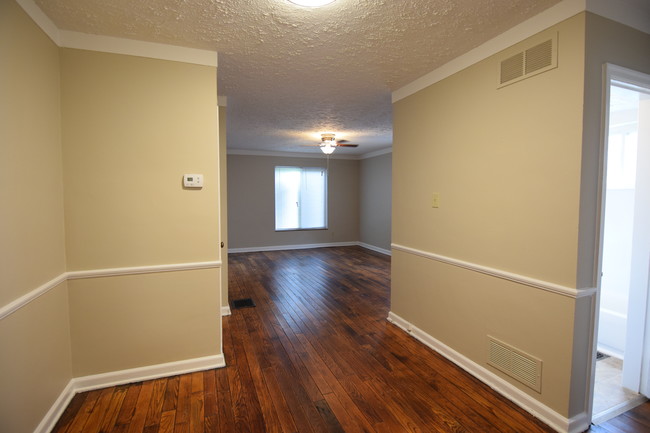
{"x":517,"y":364}
{"x":539,"y":58}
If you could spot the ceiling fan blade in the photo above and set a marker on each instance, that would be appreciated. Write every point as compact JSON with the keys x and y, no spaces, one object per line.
{"x":347,"y":145}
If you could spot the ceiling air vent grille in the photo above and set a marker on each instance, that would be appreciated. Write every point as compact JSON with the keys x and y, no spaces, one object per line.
{"x":515,"y":363}
{"x":535,"y":60}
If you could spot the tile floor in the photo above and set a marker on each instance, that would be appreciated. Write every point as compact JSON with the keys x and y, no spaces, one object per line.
{"x":609,"y":395}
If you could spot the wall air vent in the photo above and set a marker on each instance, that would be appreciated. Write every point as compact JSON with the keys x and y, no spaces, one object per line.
{"x":515,"y":363}
{"x":539,"y":58}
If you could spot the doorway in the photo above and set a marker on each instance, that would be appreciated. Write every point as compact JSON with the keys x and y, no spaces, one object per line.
{"x":622,"y":365}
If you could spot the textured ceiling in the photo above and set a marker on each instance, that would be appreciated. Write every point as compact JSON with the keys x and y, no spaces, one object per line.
{"x":290,"y":72}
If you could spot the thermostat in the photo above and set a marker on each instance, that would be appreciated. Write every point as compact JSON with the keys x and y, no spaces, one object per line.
{"x":193,"y":180}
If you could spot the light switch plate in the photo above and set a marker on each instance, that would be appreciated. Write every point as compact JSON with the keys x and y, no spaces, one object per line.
{"x":435,"y":200}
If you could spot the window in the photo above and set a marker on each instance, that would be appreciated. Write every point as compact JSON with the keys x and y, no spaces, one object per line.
{"x":300,"y":198}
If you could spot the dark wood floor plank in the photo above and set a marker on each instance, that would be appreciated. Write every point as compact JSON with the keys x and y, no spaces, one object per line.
{"x":70,"y":413}
{"x":167,"y":421}
{"x":99,"y":412}
{"x":183,"y":403}
{"x":626,"y":425}
{"x":141,"y":407}
{"x":271,"y":421}
{"x":279,"y":402}
{"x":84,"y":413}
{"x":210,"y":393}
{"x":157,"y":400}
{"x":315,"y":355}
{"x":225,"y":415}
{"x":197,"y":412}
{"x":171,"y":394}
{"x":128,"y":405}
{"x":350,"y":423}
{"x":110,"y":418}
{"x":640,"y":414}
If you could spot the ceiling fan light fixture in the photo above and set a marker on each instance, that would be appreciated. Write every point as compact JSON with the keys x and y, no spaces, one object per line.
{"x":311,"y":3}
{"x":327,"y":148}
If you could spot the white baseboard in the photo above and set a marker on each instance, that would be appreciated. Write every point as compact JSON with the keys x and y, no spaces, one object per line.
{"x":105,"y":380}
{"x":374,"y":248}
{"x":308,"y":246}
{"x":291,"y":247}
{"x":113,"y":378}
{"x":555,"y":420}
{"x":225,"y":310}
{"x":49,"y":421}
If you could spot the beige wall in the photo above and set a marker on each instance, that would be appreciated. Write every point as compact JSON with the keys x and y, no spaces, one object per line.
{"x":506,"y":163}
{"x":115,"y":133}
{"x":35,"y":361}
{"x":132,"y":127}
{"x":375,"y":201}
{"x":140,"y":320}
{"x":251,"y":211}
{"x":32,"y":183}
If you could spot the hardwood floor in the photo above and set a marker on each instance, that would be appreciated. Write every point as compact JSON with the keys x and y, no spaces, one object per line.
{"x":315,"y":354}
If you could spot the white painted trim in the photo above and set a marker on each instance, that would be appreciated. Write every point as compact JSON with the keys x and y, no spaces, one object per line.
{"x":528,"y":28}
{"x":154,"y":269}
{"x":632,"y":13}
{"x":376,"y":153}
{"x":225,"y":310}
{"x":19,"y":303}
{"x":374,"y":248}
{"x":521,"y":279}
{"x":291,"y":247}
{"x":52,"y":416}
{"x":308,"y":246}
{"x":316,"y":155}
{"x":503,"y":387}
{"x":131,"y":47}
{"x":41,"y":20}
{"x":578,"y":423}
{"x":113,"y":378}
{"x":110,"y":44}
{"x":95,"y":273}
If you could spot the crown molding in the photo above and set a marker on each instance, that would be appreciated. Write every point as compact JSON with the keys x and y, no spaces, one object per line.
{"x":376,"y":153}
{"x":110,"y":44}
{"x":41,"y":20}
{"x":132,"y":47}
{"x":278,"y":154}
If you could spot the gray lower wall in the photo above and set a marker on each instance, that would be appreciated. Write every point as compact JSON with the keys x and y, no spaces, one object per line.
{"x":251,"y":211}
{"x":375,"y":177}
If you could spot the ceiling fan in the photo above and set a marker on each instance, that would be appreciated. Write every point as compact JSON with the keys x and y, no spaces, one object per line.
{"x":329,"y":143}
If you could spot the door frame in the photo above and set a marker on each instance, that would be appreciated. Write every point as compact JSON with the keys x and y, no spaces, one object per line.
{"x":617,"y":73}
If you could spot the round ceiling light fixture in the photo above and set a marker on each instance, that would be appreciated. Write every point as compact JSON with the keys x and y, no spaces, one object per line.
{"x":311,"y":3}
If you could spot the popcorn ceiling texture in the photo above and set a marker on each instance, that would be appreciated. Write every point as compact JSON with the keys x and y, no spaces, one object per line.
{"x":290,"y":72}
